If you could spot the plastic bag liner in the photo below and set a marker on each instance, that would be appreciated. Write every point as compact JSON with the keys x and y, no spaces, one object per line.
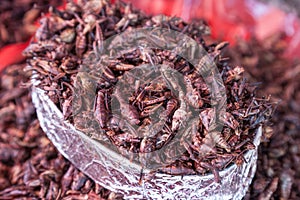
{"x":116,"y":173}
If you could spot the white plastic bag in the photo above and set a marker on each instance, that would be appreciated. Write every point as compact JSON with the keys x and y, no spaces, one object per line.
{"x":118,"y":174}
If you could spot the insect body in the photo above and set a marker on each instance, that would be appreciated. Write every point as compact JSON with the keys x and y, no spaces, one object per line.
{"x":80,"y":44}
{"x":180,"y":114}
{"x":100,"y":110}
{"x":127,"y":110}
{"x":192,"y":95}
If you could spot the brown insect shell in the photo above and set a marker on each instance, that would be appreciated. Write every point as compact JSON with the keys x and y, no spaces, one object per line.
{"x":68,"y":35}
{"x":100,"y":110}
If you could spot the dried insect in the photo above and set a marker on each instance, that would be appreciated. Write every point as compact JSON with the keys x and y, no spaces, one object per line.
{"x":221,"y":46}
{"x":128,"y":18}
{"x":242,"y":87}
{"x":87,"y":82}
{"x":127,"y":110}
{"x":163,"y":138}
{"x":85,"y":91}
{"x":181,"y":114}
{"x":147,"y":145}
{"x":205,"y":146}
{"x":206,"y":63}
{"x":200,"y":84}
{"x":67,"y":107}
{"x":69,"y":65}
{"x":148,"y":55}
{"x":219,"y":140}
{"x":116,"y":123}
{"x":107,"y":73}
{"x":122,"y":67}
{"x":155,"y":87}
{"x":138,"y":99}
{"x":100,"y":110}
{"x":186,"y":139}
{"x":154,"y":101}
{"x":199,"y":169}
{"x":40,"y":47}
{"x":229,"y":120}
{"x":50,"y":67}
{"x":171,"y":106}
{"x":98,"y":43}
{"x":145,"y":122}
{"x":150,"y":110}
{"x":235,"y":74}
{"x":80,"y":44}
{"x":192,"y":95}
{"x":72,"y":7}
{"x":206,"y":117}
{"x":93,"y":6}
{"x":159,"y":19}
{"x":158,"y":126}
{"x":241,"y":144}
{"x":67,"y":35}
{"x":42,"y":32}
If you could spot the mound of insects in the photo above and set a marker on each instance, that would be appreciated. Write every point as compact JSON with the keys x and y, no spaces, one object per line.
{"x":145,"y":114}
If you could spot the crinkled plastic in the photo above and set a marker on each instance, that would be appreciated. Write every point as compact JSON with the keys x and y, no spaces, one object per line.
{"x":118,"y":174}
